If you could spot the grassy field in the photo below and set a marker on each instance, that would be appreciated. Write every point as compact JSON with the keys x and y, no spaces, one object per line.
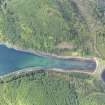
{"x":52,"y":88}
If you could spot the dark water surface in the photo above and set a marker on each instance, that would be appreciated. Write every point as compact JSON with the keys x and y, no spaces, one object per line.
{"x":13,"y":60}
{"x":103,"y":75}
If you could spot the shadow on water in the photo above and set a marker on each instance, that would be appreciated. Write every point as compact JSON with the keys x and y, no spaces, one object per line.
{"x":103,"y":75}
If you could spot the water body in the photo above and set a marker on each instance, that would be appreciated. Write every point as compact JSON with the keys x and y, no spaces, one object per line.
{"x":103,"y":75}
{"x":12,"y":60}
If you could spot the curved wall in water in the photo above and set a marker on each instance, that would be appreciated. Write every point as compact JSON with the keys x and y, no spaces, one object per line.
{"x":12,"y":60}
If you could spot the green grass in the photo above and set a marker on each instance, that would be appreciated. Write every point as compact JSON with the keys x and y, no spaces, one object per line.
{"x":100,"y":43}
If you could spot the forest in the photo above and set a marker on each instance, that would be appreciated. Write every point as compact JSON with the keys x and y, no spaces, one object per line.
{"x":54,"y":88}
{"x":43,"y":25}
{"x":63,"y":27}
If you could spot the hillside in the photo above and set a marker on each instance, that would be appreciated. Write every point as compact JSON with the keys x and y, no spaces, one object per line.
{"x":43,"y":25}
{"x":52,"y":88}
{"x":63,"y":27}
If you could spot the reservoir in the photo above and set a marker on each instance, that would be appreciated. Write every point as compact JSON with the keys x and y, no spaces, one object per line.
{"x":12,"y":60}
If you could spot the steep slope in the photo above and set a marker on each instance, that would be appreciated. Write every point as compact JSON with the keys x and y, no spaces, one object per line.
{"x":42,"y":25}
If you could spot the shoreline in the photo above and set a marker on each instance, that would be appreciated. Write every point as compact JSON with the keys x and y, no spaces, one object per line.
{"x":46,"y":54}
{"x":30,"y":69}
{"x":35,"y":69}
